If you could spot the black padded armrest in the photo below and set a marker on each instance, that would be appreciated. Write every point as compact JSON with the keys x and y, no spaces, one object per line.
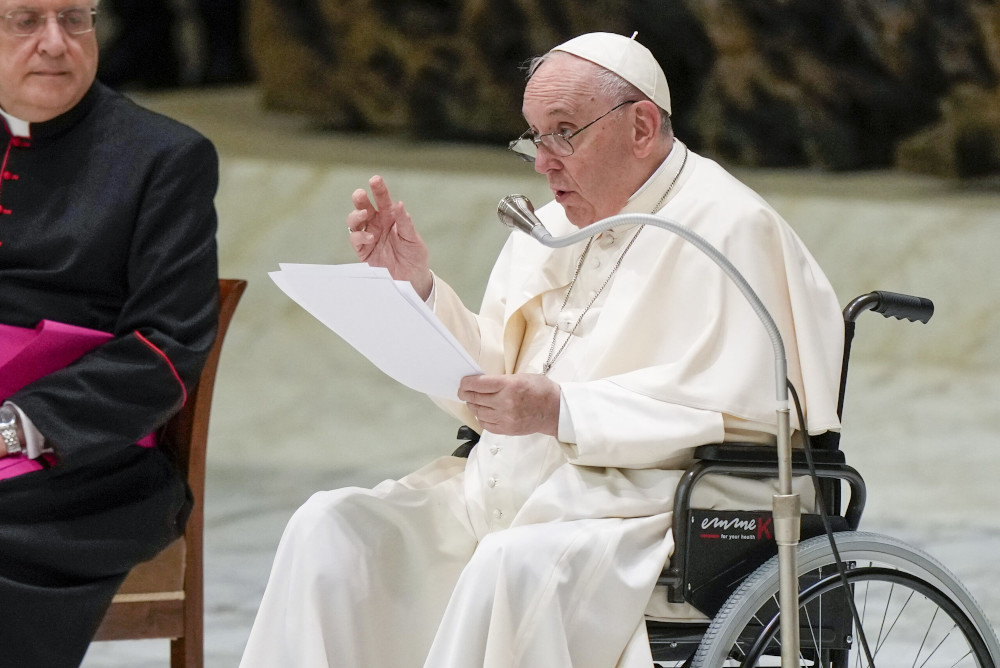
{"x":753,"y":453}
{"x":754,"y":460}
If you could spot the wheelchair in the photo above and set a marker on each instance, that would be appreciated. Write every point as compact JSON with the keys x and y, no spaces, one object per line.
{"x":864,"y":599}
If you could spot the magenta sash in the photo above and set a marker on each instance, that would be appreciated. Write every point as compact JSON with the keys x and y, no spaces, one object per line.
{"x":29,"y":354}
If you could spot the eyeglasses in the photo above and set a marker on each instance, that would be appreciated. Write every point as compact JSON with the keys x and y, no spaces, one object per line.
{"x":28,"y":22}
{"x":526,"y":146}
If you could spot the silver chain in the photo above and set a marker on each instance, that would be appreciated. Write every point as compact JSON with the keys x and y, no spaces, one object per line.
{"x":554,"y":354}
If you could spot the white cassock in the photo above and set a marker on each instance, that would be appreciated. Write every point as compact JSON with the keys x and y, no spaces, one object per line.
{"x":544,"y":552}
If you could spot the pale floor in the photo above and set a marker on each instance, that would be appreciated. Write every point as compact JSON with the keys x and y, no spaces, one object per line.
{"x":296,"y":410}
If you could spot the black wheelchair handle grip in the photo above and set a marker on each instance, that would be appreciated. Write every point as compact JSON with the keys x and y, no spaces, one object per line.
{"x":891,"y":304}
{"x":904,"y":306}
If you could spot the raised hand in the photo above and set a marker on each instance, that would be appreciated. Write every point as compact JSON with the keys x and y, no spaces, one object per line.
{"x":514,"y":404}
{"x":383,"y":235}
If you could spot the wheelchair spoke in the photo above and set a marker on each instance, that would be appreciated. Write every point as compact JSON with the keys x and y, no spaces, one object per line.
{"x":924,"y":642}
{"x":882,"y":639}
{"x":939,"y":645}
{"x":816,"y":645}
{"x":863,"y":613}
{"x":739,"y":649}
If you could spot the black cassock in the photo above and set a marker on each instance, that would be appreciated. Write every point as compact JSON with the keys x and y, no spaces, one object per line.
{"x":107,"y":221}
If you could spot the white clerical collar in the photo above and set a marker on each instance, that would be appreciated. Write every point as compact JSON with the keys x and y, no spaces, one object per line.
{"x":17,"y":127}
{"x":676,"y":148}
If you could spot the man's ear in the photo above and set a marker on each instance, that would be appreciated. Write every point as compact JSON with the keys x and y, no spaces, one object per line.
{"x":646,"y":128}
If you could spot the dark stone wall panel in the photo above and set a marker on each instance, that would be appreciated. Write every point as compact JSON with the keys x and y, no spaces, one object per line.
{"x":833,"y":84}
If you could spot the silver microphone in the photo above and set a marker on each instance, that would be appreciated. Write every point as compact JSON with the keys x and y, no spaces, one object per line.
{"x":517,"y":212}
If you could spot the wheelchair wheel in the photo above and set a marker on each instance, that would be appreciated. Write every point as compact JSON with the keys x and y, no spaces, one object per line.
{"x":913,"y":611}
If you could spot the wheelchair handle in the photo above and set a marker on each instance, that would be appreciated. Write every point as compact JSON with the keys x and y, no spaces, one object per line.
{"x":891,"y":304}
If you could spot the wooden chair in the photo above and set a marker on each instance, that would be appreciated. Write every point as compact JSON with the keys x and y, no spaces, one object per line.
{"x":164,"y":597}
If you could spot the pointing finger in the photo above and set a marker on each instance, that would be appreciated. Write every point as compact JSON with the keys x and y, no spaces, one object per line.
{"x":380,"y":191}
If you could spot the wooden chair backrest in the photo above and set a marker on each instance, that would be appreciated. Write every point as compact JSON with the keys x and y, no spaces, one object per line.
{"x":164,"y":597}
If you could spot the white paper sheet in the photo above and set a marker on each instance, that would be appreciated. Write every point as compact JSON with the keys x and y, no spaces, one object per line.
{"x":385,"y":320}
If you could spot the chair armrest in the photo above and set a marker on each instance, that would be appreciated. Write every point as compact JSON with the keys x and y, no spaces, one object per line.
{"x":761,"y":454}
{"x":749,"y":460}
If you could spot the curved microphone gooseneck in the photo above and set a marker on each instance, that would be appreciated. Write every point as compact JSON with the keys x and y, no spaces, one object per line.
{"x":517,"y":212}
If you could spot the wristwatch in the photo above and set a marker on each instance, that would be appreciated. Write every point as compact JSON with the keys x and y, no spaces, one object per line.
{"x":8,"y":430}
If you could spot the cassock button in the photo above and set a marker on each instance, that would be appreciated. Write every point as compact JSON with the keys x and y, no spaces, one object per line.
{"x":492,"y":482}
{"x":494,"y":449}
{"x":498,"y":514}
{"x":607,"y":239}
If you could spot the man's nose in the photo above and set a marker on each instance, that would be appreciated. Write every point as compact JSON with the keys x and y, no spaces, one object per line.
{"x":52,"y":38}
{"x":546,"y":160}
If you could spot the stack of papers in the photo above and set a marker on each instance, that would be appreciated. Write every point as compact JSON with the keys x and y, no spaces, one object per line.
{"x":385,"y":320}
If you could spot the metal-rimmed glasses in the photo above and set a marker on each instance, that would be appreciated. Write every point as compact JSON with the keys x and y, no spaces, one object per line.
{"x":526,"y":146}
{"x":27,"y":22}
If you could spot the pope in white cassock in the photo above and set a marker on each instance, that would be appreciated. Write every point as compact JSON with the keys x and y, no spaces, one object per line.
{"x":606,"y":363}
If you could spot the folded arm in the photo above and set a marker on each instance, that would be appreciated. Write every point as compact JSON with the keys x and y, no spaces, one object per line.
{"x":124,"y":389}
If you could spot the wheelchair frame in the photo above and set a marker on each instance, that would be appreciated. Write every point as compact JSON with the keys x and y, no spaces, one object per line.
{"x":743,"y":625}
{"x":744,"y":629}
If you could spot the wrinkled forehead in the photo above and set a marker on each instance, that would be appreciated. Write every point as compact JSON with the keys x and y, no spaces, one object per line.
{"x":44,"y":5}
{"x":562,"y":85}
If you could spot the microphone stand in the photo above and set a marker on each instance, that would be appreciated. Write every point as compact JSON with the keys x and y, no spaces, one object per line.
{"x":517,"y":212}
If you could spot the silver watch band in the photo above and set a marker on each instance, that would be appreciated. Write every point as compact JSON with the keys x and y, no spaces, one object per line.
{"x":11,"y":440}
{"x":8,"y":431}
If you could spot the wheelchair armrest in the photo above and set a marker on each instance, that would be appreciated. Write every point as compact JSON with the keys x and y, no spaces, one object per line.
{"x":749,"y":460}
{"x":757,"y":454}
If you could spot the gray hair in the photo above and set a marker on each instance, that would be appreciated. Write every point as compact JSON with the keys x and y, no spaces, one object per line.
{"x":613,"y":86}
